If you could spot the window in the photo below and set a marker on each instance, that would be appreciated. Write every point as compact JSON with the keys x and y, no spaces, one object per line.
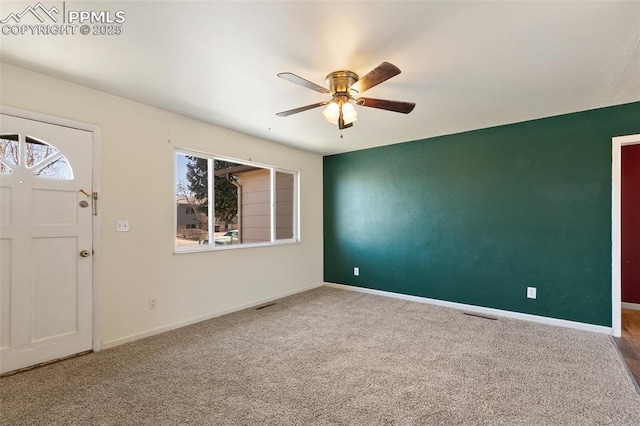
{"x":250,"y":204}
{"x":42,"y":159}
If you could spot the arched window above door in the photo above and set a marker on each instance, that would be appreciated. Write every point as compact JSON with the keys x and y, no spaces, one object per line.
{"x":41,"y":158}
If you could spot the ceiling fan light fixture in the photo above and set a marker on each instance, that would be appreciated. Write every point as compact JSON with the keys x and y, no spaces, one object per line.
{"x":349,"y":113}
{"x":332,"y":112}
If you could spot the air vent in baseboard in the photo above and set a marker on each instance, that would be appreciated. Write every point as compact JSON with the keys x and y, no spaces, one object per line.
{"x":264,"y":306}
{"x":480,"y":316}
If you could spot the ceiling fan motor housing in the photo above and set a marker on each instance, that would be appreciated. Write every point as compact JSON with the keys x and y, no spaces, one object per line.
{"x":340,"y":81}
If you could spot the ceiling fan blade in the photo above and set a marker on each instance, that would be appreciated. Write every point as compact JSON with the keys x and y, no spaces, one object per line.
{"x":381,"y":73}
{"x":300,"y":109}
{"x":396,"y":106}
{"x":302,"y":82}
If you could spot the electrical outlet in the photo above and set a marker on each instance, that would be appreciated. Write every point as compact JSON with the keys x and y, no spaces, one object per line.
{"x":356,"y":271}
{"x":531,"y":292}
{"x":153,"y":303}
{"x":122,"y":226}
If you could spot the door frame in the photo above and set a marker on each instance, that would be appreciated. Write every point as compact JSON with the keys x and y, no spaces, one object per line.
{"x":616,"y":228}
{"x":96,"y":227}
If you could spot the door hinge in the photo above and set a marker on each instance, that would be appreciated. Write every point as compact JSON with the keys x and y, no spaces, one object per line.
{"x":95,"y":204}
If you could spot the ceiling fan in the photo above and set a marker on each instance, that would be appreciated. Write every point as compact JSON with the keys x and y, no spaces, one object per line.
{"x":344,"y":86}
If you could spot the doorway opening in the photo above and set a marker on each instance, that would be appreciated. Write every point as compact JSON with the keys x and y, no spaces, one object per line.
{"x":625,"y":321}
{"x":616,"y":230}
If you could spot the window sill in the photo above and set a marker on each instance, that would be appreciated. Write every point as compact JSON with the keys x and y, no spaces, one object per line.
{"x":213,"y":247}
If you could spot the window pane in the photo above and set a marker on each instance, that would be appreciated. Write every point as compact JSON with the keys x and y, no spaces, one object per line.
{"x":284,"y":205}
{"x":192,"y":189}
{"x":57,"y":168}
{"x":242,"y":194}
{"x":9,"y":152}
{"x":37,"y":151}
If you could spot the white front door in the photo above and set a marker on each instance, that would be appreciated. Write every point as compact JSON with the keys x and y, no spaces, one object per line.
{"x":45,"y":224}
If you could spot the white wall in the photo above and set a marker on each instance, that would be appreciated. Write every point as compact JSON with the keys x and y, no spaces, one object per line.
{"x":137,"y":183}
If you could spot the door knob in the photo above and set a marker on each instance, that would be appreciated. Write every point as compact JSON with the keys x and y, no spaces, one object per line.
{"x":85,"y":253}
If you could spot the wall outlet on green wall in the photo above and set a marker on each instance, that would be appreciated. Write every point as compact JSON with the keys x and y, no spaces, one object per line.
{"x":356,"y":271}
{"x":531,"y":292}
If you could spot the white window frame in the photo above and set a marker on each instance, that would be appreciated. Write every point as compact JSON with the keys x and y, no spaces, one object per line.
{"x":211,"y":204}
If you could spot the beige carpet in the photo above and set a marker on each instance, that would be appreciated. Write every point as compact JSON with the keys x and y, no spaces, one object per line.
{"x":334,"y":357}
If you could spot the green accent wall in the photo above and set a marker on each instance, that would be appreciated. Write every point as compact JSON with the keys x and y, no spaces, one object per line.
{"x":477,"y":217}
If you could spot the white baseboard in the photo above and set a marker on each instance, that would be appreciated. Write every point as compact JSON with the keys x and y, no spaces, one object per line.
{"x":169,"y":327}
{"x":628,"y":305}
{"x":480,"y":309}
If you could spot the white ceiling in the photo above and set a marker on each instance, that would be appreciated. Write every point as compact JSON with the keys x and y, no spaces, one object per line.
{"x":467,"y":65}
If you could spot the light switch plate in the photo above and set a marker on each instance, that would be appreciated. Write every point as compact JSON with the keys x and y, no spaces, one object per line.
{"x":122,"y":226}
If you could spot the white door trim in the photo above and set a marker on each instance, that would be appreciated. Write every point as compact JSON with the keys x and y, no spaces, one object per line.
{"x":97,"y":256}
{"x":616,"y":229}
